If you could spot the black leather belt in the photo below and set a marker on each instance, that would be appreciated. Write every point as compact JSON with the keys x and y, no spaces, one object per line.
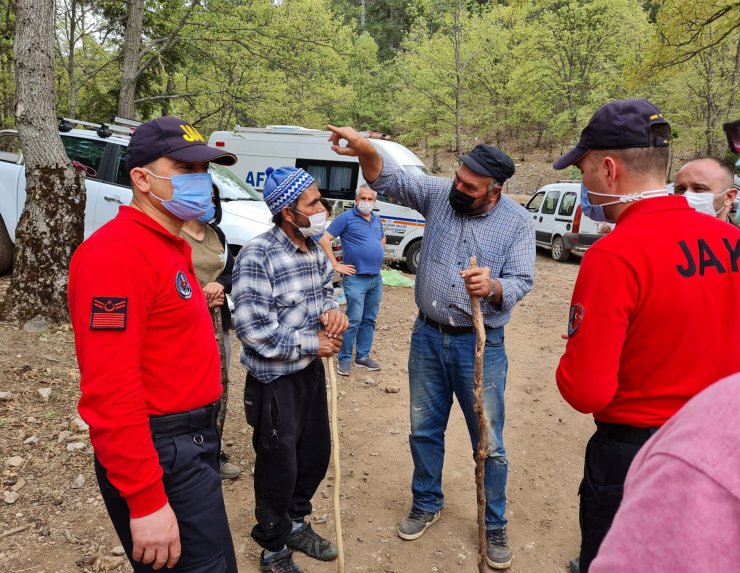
{"x":183,"y":422}
{"x":445,"y":328}
{"x":625,"y":433}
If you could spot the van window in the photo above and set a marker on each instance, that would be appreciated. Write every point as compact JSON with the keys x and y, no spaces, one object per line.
{"x":10,"y":147}
{"x":535,"y":202}
{"x":88,"y":152}
{"x":336,"y":179}
{"x":120,"y":173}
{"x":551,"y":201}
{"x":567,"y":204}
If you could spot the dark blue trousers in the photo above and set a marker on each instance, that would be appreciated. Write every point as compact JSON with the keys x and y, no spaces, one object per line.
{"x":609,"y":453}
{"x":192,"y":483}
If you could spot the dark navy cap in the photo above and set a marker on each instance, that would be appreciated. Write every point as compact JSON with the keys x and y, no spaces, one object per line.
{"x":175,"y":138}
{"x":489,"y":161}
{"x":620,"y":124}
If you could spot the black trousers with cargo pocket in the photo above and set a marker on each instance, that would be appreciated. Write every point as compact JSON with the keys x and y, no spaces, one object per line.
{"x":192,"y":482}
{"x":292,"y":444}
{"x":609,"y":453}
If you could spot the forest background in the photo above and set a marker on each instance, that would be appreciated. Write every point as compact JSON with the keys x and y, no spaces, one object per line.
{"x":522,"y":74}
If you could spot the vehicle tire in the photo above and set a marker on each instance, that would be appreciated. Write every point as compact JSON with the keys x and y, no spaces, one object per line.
{"x":6,"y":248}
{"x":412,"y":257}
{"x":559,"y":252}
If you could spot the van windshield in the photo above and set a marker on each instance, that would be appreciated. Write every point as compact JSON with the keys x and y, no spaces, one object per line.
{"x":417,"y":169}
{"x":230,"y":187}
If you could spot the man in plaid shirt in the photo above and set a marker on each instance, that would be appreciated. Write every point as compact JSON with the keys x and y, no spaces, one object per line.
{"x":287,"y":319}
{"x":465,"y":217}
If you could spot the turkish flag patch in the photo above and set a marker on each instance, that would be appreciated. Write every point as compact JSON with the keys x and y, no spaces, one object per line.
{"x":108,"y":313}
{"x":575,"y":318}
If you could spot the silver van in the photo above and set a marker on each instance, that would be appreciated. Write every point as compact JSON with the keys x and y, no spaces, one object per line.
{"x":559,"y":222}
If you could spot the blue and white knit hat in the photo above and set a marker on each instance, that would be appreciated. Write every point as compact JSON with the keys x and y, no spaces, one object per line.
{"x":283,"y":186}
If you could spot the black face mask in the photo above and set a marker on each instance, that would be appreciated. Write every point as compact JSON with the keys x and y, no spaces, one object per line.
{"x":459,"y":201}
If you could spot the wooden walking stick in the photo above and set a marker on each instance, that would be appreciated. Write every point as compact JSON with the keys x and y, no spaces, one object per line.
{"x":481,"y":452}
{"x":337,"y":472}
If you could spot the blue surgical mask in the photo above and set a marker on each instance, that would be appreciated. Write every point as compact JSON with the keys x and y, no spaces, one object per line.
{"x":596,"y":212}
{"x":191,"y":197}
{"x":593,"y":212}
{"x":208,"y":216}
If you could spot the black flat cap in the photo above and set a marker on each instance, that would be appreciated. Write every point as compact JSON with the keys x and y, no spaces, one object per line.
{"x":489,"y":161}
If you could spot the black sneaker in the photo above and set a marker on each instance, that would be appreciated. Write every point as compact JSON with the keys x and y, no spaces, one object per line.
{"x":312,"y":544}
{"x":280,"y":562}
{"x":417,"y":522}
{"x":498,"y":552}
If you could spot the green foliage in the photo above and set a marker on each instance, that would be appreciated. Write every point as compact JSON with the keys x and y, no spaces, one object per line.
{"x":573,"y":57}
{"x":440,"y":73}
{"x":7,"y":66}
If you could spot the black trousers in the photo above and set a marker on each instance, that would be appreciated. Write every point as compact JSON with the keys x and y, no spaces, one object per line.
{"x":292,"y":445}
{"x":192,"y":483}
{"x":609,"y":453}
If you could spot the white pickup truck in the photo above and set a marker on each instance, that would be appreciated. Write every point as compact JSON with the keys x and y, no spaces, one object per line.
{"x":107,"y":184}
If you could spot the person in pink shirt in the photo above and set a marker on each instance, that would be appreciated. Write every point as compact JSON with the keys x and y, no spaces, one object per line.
{"x":681,"y":505}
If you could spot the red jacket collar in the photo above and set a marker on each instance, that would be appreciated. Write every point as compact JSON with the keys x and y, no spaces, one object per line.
{"x":653,"y":205}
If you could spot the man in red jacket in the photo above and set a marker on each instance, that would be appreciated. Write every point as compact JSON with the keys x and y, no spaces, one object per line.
{"x":638,"y":344}
{"x":149,"y":364}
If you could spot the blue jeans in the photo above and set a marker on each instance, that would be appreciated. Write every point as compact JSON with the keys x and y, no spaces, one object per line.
{"x":441,"y":365}
{"x":363,"y":294}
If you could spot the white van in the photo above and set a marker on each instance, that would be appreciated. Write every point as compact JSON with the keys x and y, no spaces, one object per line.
{"x":559,"y":222}
{"x":338,"y":176}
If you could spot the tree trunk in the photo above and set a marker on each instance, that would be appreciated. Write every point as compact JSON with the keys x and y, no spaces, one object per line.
{"x":458,"y":78}
{"x":168,"y":91}
{"x":362,"y":15}
{"x":51,"y":225}
{"x":71,"y":60}
{"x":131,"y":48}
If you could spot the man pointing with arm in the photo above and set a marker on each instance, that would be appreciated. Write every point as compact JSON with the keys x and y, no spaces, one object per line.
{"x":465,"y":217}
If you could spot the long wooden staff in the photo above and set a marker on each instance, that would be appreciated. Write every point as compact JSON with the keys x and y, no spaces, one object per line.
{"x":337,"y":472}
{"x":481,"y":452}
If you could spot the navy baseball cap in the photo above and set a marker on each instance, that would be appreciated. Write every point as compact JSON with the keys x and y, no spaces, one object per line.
{"x":489,"y":161}
{"x":620,"y":124}
{"x":172,"y":137}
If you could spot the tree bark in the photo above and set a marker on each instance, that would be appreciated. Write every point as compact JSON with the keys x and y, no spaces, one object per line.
{"x":51,"y":225}
{"x":131,"y":49}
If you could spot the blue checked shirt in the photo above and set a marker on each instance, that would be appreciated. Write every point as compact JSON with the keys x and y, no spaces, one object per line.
{"x":279,"y":294}
{"x":502,"y":239}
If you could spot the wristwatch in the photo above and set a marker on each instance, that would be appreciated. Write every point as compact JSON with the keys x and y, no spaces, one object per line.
{"x":491,"y":295}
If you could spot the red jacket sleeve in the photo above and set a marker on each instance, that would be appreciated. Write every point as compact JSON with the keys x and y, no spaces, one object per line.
{"x":603,"y":299}
{"x":113,"y":400}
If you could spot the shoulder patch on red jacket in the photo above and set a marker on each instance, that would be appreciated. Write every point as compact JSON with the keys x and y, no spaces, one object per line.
{"x":108,"y":313}
{"x":575,"y":318}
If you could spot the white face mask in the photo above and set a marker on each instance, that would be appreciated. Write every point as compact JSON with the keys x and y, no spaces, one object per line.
{"x":703,"y":202}
{"x":317,"y":224}
{"x":365,"y":207}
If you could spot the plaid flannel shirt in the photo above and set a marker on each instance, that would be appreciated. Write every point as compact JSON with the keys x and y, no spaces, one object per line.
{"x":279,"y":294}
{"x":502,"y":239}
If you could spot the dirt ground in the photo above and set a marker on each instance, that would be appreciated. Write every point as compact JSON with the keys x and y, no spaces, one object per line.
{"x":58,"y":523}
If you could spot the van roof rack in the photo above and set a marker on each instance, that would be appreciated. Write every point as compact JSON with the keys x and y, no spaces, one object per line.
{"x":103,"y":130}
{"x":125,"y":121}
